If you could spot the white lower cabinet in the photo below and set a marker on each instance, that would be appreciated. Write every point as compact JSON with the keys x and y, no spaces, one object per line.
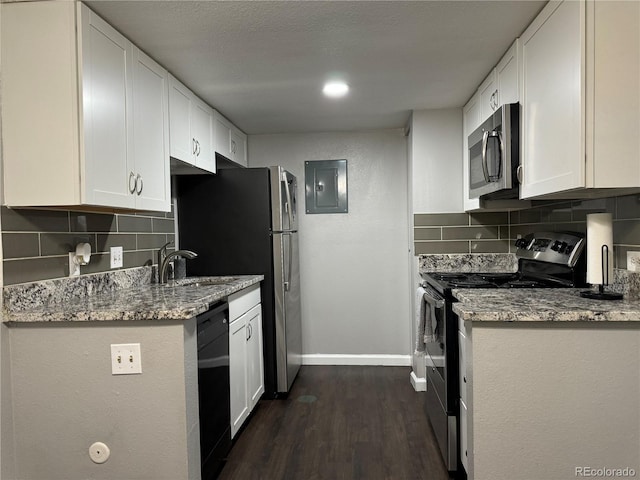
{"x":466,"y":397}
{"x":246,"y":364}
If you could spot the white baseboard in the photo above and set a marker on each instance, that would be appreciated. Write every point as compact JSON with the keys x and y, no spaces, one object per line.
{"x":419,"y":384}
{"x":339,"y":359}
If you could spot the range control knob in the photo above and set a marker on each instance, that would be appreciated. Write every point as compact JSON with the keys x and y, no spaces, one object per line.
{"x":521,"y":243}
{"x":556,"y":246}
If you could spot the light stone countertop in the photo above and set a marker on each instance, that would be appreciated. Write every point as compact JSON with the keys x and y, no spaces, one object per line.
{"x":175,"y":301}
{"x":540,"y":305}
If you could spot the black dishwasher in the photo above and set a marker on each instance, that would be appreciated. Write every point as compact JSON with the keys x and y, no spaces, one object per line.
{"x":213,"y":389}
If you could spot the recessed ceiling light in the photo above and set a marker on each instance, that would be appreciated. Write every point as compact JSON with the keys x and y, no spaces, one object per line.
{"x":335,"y":89}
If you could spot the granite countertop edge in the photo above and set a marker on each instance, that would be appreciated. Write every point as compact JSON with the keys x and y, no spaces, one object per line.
{"x":150,"y":302}
{"x":540,"y":305}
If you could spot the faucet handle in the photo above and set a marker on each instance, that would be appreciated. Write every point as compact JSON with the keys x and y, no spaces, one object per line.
{"x":162,"y":252}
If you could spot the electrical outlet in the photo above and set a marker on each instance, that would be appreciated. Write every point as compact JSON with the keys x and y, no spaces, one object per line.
{"x":633,"y":261}
{"x":126,"y":359}
{"x":116,"y":257}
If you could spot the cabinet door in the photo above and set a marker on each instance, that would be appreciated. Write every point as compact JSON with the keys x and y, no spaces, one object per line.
{"x":470,"y":121}
{"x":223,"y":135}
{"x":464,"y":437}
{"x":238,"y":335}
{"x":239,"y":147}
{"x":488,"y":96}
{"x":107,"y":112}
{"x":462,"y":362}
{"x":553,"y":117}
{"x":202,"y":131}
{"x":507,"y":76}
{"x":255,"y":361}
{"x":151,"y":134}
{"x":181,"y":144}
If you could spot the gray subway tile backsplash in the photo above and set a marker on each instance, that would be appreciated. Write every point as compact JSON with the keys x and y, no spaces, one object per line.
{"x":27,"y":220}
{"x":469,"y":233}
{"x":36,"y":243}
{"x":440,"y":219}
{"x":92,"y":222}
{"x":63,"y":243}
{"x":20,"y":245}
{"x":495,"y":232}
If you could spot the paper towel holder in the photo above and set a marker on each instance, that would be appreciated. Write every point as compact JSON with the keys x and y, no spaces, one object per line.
{"x":601,"y":294}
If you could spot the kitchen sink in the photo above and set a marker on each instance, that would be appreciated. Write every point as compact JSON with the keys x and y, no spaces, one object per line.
{"x":201,"y":282}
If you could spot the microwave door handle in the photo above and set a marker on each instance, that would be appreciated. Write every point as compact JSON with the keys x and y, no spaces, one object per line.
{"x":485,"y":167}
{"x":498,"y":135}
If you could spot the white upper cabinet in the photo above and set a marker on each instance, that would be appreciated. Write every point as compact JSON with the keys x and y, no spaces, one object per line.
{"x":190,"y":127}
{"x":488,"y":92}
{"x":470,"y":121}
{"x":230,"y":142}
{"x":507,"y":76}
{"x":68,"y":82}
{"x":580,"y":100}
{"x":150,"y":133}
{"x":501,"y":85}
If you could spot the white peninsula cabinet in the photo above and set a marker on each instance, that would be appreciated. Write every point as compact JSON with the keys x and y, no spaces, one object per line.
{"x":84,"y":118}
{"x":191,"y":128}
{"x":580,"y":100}
{"x":246,"y":364}
{"x":539,"y":399}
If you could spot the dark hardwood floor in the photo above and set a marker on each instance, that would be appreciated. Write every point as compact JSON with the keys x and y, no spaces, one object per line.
{"x":340,"y":423}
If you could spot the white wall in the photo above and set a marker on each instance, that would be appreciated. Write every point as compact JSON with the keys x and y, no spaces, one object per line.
{"x":436,"y":160}
{"x":354,"y":267}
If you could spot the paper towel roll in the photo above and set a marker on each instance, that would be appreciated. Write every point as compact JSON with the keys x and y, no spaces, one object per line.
{"x":599,"y":232}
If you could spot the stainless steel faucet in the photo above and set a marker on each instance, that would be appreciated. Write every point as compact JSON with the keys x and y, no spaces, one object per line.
{"x":164,"y":259}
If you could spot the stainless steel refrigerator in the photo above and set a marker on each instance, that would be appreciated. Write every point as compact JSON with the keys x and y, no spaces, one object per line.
{"x":244,"y":221}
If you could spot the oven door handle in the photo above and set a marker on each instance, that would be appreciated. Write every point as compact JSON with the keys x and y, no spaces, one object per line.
{"x":432,"y":299}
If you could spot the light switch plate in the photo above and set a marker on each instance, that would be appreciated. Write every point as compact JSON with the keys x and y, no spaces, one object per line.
{"x":126,"y":359}
{"x":116,"y":257}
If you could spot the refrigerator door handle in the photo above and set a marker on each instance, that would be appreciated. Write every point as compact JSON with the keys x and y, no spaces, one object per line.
{"x":288,"y":202}
{"x":287,"y":278}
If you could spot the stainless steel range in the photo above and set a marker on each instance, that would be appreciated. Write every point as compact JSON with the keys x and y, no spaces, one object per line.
{"x":545,"y":260}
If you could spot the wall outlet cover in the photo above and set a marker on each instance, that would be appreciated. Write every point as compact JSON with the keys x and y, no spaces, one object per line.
{"x":633,"y":261}
{"x":116,"y":257}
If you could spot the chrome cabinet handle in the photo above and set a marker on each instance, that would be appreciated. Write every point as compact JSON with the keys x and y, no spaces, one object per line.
{"x":193,"y":146}
{"x":464,"y":379}
{"x":233,"y":146}
{"x":198,"y":148}
{"x":132,"y":189}
{"x":141,"y":185}
{"x":519,"y":173}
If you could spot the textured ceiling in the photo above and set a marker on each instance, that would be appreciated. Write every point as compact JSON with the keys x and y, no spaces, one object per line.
{"x":263,"y":63}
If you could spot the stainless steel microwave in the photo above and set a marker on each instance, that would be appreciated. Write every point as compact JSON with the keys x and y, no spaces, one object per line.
{"x":494,"y":155}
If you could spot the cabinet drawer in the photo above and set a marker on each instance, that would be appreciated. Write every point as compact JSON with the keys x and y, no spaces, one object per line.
{"x":242,"y":301}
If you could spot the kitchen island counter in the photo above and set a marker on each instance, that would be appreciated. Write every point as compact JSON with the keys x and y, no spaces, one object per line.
{"x":540,"y":305}
{"x":179,"y":300}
